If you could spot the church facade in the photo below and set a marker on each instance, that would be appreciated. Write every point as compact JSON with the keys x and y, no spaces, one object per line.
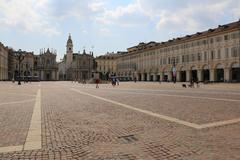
{"x":45,"y":65}
{"x":76,"y":66}
{"x":38,"y":67}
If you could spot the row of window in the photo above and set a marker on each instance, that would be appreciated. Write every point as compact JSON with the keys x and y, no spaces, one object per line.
{"x":205,"y":56}
{"x":105,"y":68}
{"x":3,"y":61}
{"x":218,"y":39}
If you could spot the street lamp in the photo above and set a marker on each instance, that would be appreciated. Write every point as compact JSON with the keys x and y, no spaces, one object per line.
{"x":19,"y":56}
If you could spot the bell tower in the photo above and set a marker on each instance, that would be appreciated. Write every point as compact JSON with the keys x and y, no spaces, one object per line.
{"x":69,"y":50}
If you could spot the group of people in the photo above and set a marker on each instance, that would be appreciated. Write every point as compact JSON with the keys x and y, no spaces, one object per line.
{"x":194,"y":81}
{"x":114,"y":81}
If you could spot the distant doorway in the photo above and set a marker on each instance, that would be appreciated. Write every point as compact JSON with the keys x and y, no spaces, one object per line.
{"x":145,"y":76}
{"x":194,"y":75}
{"x":206,"y":76}
{"x":220,"y":75}
{"x":48,"y":77}
{"x":139,"y":77}
{"x":84,"y":75}
{"x":236,"y":74}
{"x":183,"y":76}
{"x":151,"y":78}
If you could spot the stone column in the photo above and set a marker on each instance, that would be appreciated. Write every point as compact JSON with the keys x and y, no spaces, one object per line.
{"x":161,"y":76}
{"x":199,"y":75}
{"x":227,"y":75}
{"x":57,"y":75}
{"x":53,"y":75}
{"x":142,"y":77}
{"x":170,"y":76}
{"x":154,"y":77}
{"x":178,"y":76}
{"x":42,"y":75}
{"x":212,"y":75}
{"x":188,"y":75}
{"x":137,"y":77}
{"x":148,"y":76}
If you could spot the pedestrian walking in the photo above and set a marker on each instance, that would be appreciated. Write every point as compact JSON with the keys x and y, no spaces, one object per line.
{"x":197,"y":82}
{"x":97,"y":82}
{"x":135,"y":79}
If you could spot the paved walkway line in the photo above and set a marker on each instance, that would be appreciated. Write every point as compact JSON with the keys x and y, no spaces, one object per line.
{"x":175,"y":95}
{"x":171,"y":119}
{"x":34,"y":140}
{"x":220,"y":123}
{"x":11,"y":149}
{"x":16,"y":102}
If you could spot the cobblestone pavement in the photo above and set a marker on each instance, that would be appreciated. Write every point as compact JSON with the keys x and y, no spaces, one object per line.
{"x":132,"y":121}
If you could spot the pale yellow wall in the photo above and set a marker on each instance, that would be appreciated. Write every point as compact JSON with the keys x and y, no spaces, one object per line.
{"x":152,"y":61}
{"x":3,"y":63}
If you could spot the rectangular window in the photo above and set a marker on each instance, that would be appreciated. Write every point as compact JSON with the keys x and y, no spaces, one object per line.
{"x":169,"y":60}
{"x":233,"y":35}
{"x":178,"y":59}
{"x":164,"y":61}
{"x":218,"y":39}
{"x":205,"y":56}
{"x":212,"y":55}
{"x":183,"y":58}
{"x":211,"y":40}
{"x":219,"y":54}
{"x":187,"y":58}
{"x":226,"y":52}
{"x":234,"y":52}
{"x":199,"y":56}
{"x":204,"y":42}
{"x":226,"y":37}
{"x":193,"y":58}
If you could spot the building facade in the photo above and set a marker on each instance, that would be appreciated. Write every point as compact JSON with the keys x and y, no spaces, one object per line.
{"x":107,"y":64}
{"x":62,"y":71}
{"x":3,"y":62}
{"x":45,"y":65}
{"x":79,"y":66}
{"x":39,"y":67}
{"x":212,"y":55}
{"x":26,"y":66}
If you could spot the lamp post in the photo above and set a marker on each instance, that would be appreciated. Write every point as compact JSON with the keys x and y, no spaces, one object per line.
{"x":19,"y":56}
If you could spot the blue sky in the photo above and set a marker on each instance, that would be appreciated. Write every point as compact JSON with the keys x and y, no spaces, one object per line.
{"x":107,"y":25}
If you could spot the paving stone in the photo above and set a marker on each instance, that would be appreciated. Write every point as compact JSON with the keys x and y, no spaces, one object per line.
{"x":76,"y":126}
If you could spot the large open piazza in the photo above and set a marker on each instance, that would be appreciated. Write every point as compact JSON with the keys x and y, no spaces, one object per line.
{"x":131,"y":121}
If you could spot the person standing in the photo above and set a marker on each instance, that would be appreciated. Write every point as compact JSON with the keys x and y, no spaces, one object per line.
{"x":97,"y":82}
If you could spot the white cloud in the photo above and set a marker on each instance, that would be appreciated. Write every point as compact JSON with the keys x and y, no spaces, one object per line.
{"x":129,"y":15}
{"x":189,"y":16}
{"x":47,"y":16}
{"x":26,"y":16}
{"x":97,"y":6}
{"x":84,"y":31}
{"x":104,"y":32}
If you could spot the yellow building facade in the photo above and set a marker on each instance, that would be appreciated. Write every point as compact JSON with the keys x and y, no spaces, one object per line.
{"x":107,"y":64}
{"x":3,"y":62}
{"x":212,"y":55}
